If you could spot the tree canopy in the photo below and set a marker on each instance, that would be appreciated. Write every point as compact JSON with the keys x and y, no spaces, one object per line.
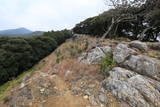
{"x":18,"y":54}
{"x":134,"y":19}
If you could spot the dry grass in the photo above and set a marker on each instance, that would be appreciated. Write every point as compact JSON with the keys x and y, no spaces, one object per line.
{"x":154,"y":54}
{"x":70,"y":69}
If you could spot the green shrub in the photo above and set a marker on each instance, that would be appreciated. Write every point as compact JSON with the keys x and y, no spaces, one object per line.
{"x":107,"y":64}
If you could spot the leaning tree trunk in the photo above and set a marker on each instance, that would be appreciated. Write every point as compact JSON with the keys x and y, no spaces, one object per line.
{"x":109,"y":29}
{"x":142,"y":35}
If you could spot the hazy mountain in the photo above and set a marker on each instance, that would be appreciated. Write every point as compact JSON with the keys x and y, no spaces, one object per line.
{"x":19,"y":32}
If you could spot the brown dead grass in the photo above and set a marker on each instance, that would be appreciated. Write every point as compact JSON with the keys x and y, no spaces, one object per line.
{"x":70,"y":69}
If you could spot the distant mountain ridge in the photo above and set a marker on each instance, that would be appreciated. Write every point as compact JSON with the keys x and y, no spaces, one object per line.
{"x":19,"y":32}
{"x":15,"y":31}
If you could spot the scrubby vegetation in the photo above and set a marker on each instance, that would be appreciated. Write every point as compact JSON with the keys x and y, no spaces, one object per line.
{"x":125,"y":20}
{"x":107,"y":64}
{"x":18,"y":54}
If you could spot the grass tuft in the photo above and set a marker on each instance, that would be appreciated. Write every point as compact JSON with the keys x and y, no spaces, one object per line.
{"x":107,"y":64}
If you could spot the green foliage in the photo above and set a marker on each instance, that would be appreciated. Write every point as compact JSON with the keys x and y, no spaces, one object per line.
{"x":107,"y":64}
{"x":136,"y":19}
{"x":17,"y":54}
{"x":59,"y":58}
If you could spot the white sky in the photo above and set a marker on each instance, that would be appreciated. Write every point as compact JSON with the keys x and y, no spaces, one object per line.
{"x":47,"y":14}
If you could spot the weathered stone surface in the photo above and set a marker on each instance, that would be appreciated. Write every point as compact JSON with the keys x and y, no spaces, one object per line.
{"x":139,"y":45}
{"x":22,"y":97}
{"x":122,"y":52}
{"x":144,"y":65}
{"x":132,"y":88}
{"x":93,"y":100}
{"x":148,"y":91}
{"x":96,"y":55}
{"x":102,"y":98}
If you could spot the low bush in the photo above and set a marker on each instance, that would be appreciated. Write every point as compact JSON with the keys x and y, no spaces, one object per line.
{"x":107,"y":64}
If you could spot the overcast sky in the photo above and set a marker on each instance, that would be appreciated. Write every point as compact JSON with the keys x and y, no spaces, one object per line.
{"x":47,"y":14}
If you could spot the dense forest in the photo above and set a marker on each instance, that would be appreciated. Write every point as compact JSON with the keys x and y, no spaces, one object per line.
{"x":134,"y":20}
{"x":18,"y":54}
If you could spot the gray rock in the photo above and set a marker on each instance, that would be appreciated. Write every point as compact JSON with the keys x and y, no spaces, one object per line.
{"x":132,"y":88}
{"x":102,"y":90}
{"x":148,"y":91}
{"x":139,"y":45}
{"x":144,"y":65}
{"x":45,"y":85}
{"x":93,"y":100}
{"x":102,"y":98}
{"x":25,"y":92}
{"x":75,"y":92}
{"x":87,"y":92}
{"x":96,"y":55}
{"x":21,"y":98}
{"x":122,"y":52}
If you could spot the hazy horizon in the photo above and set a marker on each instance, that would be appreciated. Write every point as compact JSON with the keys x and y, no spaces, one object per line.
{"x":44,"y":15}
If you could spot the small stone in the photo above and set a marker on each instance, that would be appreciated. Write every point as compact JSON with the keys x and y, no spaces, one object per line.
{"x":22,"y":85}
{"x":56,"y":88}
{"x":75,"y":92}
{"x":42,"y":90}
{"x":102,"y":98}
{"x":91,"y":86}
{"x":65,"y":89}
{"x":102,"y":90}
{"x":101,"y":105}
{"x":45,"y":85}
{"x":92,"y":100}
{"x":87,"y":92}
{"x":85,"y":97}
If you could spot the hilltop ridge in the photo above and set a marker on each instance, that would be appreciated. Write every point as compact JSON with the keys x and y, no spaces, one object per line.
{"x":81,"y":73}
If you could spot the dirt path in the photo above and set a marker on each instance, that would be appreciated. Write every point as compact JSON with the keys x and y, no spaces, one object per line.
{"x":65,"y":97}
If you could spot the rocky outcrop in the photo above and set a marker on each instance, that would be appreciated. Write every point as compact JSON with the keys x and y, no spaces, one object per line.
{"x":126,"y":57}
{"x":95,"y":55}
{"x":132,"y":88}
{"x":136,"y":80}
{"x":122,"y":52}
{"x":139,"y":45}
{"x":144,"y":65}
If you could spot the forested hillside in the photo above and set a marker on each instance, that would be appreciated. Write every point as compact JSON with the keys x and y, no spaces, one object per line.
{"x":134,"y":21}
{"x":18,"y":54}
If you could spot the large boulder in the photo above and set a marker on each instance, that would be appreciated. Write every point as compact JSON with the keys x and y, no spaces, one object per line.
{"x":95,"y":55}
{"x":144,"y":65}
{"x":132,"y":88}
{"x":139,"y":45}
{"x":122,"y":52}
